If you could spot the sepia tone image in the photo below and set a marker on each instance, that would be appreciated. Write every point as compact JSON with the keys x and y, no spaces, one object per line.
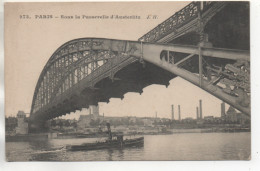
{"x":127,"y":81}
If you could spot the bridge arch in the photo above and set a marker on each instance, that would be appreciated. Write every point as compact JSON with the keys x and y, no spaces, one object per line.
{"x":86,"y":71}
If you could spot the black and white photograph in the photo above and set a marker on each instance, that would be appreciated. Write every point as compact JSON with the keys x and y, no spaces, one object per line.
{"x":127,"y":81}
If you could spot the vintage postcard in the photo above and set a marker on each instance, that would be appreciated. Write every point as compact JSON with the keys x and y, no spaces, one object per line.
{"x":127,"y":81}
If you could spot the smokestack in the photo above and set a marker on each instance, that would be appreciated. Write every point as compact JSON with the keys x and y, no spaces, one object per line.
{"x":172,"y":112}
{"x":179,"y":109}
{"x":197,"y":112}
{"x":200,"y":109}
{"x":223,"y":112}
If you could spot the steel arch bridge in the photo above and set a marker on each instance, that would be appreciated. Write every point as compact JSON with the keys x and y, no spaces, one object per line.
{"x":86,"y":71}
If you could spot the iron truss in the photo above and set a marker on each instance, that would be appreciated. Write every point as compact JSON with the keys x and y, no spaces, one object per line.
{"x":82,"y":63}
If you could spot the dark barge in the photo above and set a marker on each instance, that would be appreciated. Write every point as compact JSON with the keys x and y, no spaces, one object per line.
{"x":110,"y":143}
{"x":113,"y":144}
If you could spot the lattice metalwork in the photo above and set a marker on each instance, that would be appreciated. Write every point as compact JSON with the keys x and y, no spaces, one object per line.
{"x":177,"y":24}
{"x":81,"y":63}
{"x":75,"y":61}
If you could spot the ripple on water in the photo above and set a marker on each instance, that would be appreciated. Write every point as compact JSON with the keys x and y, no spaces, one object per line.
{"x":189,"y":146}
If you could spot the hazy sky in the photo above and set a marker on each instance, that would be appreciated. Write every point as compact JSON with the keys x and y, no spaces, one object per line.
{"x":30,"y":42}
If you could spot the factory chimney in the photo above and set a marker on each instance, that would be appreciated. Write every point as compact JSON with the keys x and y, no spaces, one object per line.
{"x":223,"y":112}
{"x":197,"y":109}
{"x":200,"y":109}
{"x":179,"y":109}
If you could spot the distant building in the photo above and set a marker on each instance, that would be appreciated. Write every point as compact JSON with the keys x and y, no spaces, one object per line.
{"x":132,"y":119}
{"x":235,"y":117}
{"x":10,"y":124}
{"x":148,"y":122}
{"x":187,"y":120}
{"x":22,"y":125}
{"x":242,"y":118}
{"x":218,"y":120}
{"x":92,"y":110}
{"x":209,"y":118}
{"x":231,"y":115}
{"x":85,"y":120}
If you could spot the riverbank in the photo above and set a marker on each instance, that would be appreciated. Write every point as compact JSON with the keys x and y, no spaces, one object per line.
{"x":27,"y":137}
{"x":44,"y":136}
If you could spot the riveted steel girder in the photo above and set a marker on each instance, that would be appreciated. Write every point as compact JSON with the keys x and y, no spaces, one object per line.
{"x":75,"y":67}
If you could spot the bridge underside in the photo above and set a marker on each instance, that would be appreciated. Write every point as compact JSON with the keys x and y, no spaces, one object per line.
{"x":129,"y":66}
{"x":132,"y":78}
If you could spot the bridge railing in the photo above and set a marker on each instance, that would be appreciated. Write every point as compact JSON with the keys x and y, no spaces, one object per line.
{"x":180,"y":18}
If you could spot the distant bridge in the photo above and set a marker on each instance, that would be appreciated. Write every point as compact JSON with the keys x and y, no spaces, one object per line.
{"x":86,"y":71}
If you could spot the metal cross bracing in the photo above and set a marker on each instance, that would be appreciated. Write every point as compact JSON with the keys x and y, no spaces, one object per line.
{"x":82,"y":63}
{"x":77,"y":67}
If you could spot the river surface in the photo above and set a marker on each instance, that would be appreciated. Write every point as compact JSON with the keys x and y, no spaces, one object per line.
{"x":185,"y":146}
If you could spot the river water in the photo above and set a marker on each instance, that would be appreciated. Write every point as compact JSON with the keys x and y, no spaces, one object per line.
{"x":185,"y":146}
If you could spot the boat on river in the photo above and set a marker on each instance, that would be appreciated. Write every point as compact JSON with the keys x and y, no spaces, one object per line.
{"x":117,"y":142}
{"x":113,"y":144}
